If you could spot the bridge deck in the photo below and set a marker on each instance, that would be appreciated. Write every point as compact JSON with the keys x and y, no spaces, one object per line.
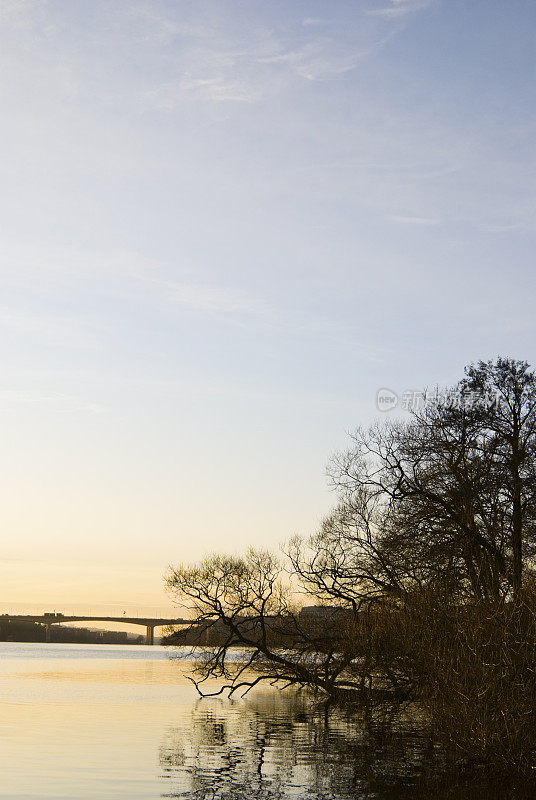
{"x":147,"y":622}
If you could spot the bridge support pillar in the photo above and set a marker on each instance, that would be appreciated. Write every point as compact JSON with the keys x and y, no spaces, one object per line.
{"x":150,"y":634}
{"x":48,"y":633}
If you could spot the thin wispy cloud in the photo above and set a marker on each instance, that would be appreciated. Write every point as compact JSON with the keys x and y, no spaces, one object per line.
{"x":216,"y":90}
{"x":409,"y":220}
{"x":32,"y":323}
{"x":208,"y":298}
{"x":221,"y":65}
{"x":131,"y":278}
{"x":309,"y":22}
{"x":316,"y":61}
{"x":54,"y":400}
{"x":400,"y":8}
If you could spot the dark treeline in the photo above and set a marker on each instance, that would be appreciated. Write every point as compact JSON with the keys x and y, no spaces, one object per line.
{"x":277,"y":628}
{"x":24,"y":631}
{"x":425,"y":569}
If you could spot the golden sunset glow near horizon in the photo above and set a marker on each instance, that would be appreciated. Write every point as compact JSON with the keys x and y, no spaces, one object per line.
{"x":225,"y":227}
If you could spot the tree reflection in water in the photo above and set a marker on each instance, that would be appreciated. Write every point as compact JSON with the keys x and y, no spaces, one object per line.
{"x":279,"y":745}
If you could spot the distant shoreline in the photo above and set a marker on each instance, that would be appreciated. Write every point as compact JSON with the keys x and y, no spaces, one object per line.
{"x":22,"y":631}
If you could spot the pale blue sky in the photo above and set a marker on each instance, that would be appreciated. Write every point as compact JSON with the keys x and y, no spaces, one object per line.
{"x":225,"y":225}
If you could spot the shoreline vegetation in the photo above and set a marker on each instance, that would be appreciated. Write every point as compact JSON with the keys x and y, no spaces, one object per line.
{"x":421,"y":580}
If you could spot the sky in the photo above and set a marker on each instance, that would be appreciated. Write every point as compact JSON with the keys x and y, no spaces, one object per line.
{"x":225,"y":224}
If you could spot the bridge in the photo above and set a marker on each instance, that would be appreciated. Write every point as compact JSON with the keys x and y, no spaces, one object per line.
{"x":149,"y":623}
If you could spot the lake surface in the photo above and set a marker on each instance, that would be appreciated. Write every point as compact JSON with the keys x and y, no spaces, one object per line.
{"x":106,"y":721}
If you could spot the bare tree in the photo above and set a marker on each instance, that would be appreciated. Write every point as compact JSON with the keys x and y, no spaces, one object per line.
{"x":455,"y":484}
{"x":508,"y":444}
{"x":247,"y":601}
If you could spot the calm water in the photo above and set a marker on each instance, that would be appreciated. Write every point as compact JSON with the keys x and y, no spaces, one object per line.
{"x":112,"y":722}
